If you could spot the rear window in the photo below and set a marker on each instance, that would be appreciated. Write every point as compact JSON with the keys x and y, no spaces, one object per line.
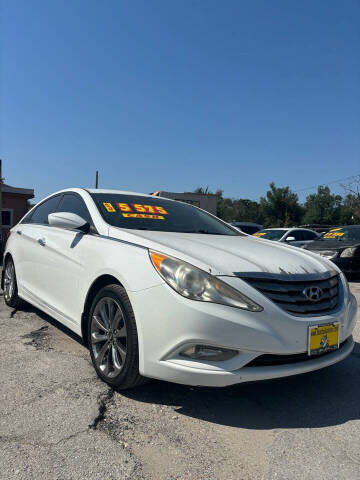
{"x":346,"y":234}
{"x":157,"y":214}
{"x":270,"y":234}
{"x":249,"y":229}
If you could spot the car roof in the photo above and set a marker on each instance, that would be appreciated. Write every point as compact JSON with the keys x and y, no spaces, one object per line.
{"x":346,"y":226}
{"x":106,"y":191}
{"x":279,"y":228}
{"x":289,"y":228}
{"x":249,"y":224}
{"x":121,"y":192}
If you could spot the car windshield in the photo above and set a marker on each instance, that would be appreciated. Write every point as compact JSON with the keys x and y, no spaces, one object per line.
{"x":343,"y":234}
{"x":157,"y":214}
{"x":270,"y":234}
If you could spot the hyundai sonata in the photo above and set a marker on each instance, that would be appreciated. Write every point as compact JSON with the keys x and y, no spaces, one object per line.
{"x":159,"y":288}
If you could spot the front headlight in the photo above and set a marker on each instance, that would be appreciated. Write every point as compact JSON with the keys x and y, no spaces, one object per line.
{"x":195,"y":284}
{"x":349,"y":252}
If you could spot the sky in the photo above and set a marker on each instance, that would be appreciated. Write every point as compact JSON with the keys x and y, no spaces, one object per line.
{"x":176,"y":94}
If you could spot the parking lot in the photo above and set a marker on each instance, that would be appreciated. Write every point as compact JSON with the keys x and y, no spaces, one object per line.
{"x":58,"y":421}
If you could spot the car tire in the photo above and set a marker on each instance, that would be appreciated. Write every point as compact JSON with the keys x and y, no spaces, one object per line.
{"x":11,"y":296}
{"x":113,"y":339}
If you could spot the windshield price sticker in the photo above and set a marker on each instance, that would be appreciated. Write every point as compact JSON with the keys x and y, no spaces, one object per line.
{"x":259,"y":234}
{"x":134,"y":209}
{"x":143,"y":215}
{"x":109,"y":207}
{"x":333,"y":234}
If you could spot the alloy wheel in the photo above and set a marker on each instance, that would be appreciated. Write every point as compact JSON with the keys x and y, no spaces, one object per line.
{"x":9,"y":280}
{"x":108,"y":337}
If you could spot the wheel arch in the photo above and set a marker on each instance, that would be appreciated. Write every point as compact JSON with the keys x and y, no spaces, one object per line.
{"x":96,"y":286}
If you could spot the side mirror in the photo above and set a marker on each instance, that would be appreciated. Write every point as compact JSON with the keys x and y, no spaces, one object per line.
{"x":69,"y":221}
{"x":290,"y":239}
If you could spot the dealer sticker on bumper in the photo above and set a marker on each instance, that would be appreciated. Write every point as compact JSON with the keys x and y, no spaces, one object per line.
{"x":323,"y":338}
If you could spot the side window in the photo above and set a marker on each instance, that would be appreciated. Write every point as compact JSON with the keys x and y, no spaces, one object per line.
{"x":297,"y":234}
{"x":74,"y":204}
{"x":27,"y":217}
{"x":309,"y":235}
{"x":40,"y":214}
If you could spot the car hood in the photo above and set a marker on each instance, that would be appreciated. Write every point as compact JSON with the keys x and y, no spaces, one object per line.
{"x":331,"y":245}
{"x":226,"y":255}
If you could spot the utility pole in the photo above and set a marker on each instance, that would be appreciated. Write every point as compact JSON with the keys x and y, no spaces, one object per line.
{"x":97,"y":179}
{"x":1,"y":229}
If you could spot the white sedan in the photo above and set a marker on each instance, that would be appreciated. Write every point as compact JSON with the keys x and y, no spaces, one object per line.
{"x":162,"y":289}
{"x":296,"y":237}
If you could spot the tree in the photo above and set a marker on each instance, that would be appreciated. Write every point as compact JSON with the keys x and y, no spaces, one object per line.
{"x":323,"y":207}
{"x":281,"y":207}
{"x":224,"y":208}
{"x":202,"y":190}
{"x":245,"y":210}
{"x":352,"y":200}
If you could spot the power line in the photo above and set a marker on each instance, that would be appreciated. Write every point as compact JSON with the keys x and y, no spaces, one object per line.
{"x":316,"y":186}
{"x":327,"y":183}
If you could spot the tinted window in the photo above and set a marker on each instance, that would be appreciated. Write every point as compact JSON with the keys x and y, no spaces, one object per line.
{"x":157,"y":214}
{"x":248,"y":229}
{"x":27,"y":218}
{"x":74,"y":204}
{"x":40,"y":214}
{"x":270,"y":234}
{"x":343,"y":234}
{"x":297,"y":234}
{"x":309,"y":235}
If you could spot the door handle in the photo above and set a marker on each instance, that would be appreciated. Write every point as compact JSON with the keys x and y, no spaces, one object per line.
{"x":18,"y":232}
{"x":42,"y":241}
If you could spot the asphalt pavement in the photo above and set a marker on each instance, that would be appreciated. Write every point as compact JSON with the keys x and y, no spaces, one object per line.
{"x":59,"y":421}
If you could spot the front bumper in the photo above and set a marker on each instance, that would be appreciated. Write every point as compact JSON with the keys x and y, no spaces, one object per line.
{"x":186,"y":375}
{"x":168,"y":323}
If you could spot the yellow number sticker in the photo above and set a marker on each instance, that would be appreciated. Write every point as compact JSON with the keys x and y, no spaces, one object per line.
{"x":123,"y":207}
{"x":109,"y":207}
{"x":161,"y":210}
{"x":333,"y":234}
{"x":138,"y":207}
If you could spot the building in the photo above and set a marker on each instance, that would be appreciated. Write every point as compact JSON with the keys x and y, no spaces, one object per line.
{"x":15,"y":203}
{"x":206,"y":201}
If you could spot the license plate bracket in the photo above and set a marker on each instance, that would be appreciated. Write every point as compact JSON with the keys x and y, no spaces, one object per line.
{"x":323,"y":338}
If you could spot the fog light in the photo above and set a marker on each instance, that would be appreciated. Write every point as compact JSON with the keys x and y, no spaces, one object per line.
{"x":206,"y":352}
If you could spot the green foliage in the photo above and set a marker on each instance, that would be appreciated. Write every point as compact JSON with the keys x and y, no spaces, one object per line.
{"x":280,"y":207}
{"x":323,"y":207}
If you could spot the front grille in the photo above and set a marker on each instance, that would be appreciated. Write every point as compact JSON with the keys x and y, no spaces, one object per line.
{"x":268,"y":360}
{"x":288,"y":293}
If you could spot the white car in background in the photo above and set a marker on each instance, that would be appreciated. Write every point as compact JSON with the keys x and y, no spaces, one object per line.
{"x":297,"y":237}
{"x":162,"y":289}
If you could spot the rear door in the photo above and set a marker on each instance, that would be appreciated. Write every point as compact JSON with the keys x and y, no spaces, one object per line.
{"x":299,"y":238}
{"x":309,"y":237}
{"x":28,"y":249}
{"x":63,"y":265}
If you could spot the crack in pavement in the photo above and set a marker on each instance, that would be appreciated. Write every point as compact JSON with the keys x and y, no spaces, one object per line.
{"x":21,"y":441}
{"x":103,"y":401}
